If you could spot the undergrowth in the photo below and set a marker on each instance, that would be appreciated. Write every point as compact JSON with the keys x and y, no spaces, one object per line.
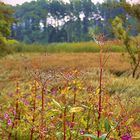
{"x":56,"y":105}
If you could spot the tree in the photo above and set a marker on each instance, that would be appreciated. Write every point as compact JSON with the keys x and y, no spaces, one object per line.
{"x":46,"y":21}
{"x":6,"y":20}
{"x":134,"y":11}
{"x":132,"y":45}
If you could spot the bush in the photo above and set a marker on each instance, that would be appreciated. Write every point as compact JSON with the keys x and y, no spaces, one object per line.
{"x":3,"y":46}
{"x":14,"y":45}
{"x":7,"y":46}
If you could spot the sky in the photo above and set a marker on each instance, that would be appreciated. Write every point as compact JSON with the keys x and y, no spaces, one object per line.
{"x":14,"y":2}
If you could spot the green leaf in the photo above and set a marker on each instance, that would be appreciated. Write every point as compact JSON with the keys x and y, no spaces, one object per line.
{"x":129,"y":121}
{"x":90,"y":135}
{"x":107,"y":125}
{"x":85,"y":106}
{"x":76,"y":109}
{"x":103,"y":137}
{"x":59,"y":135}
{"x":57,"y":104}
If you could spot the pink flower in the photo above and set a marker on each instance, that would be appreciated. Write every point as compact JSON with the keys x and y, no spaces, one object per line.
{"x":25,"y":102}
{"x":9,"y":122}
{"x":14,"y":112}
{"x":54,"y":90}
{"x":6,"y":116}
{"x":70,"y":124}
{"x":39,"y":97}
{"x":82,"y":131}
{"x":126,"y":137}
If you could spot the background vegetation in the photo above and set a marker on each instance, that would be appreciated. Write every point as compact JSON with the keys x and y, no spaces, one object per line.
{"x":45,"y":21}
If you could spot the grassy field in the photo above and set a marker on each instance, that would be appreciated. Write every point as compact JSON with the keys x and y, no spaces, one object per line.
{"x":109,"y":46}
{"x":82,"y":61}
{"x":117,"y":67}
{"x":68,"y":104}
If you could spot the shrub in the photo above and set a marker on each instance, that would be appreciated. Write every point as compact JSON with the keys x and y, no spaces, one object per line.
{"x":3,"y":46}
{"x":7,"y":46}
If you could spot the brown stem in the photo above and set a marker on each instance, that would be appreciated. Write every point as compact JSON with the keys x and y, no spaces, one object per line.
{"x":17,"y":116}
{"x":74,"y":101}
{"x":88,"y":119}
{"x":135,"y":69}
{"x":34,"y":109}
{"x":53,"y":134}
{"x":32,"y":132}
{"x":73,"y":114}
{"x":14,"y":122}
{"x":64,"y":124}
{"x":42,"y":113}
{"x":100,"y":93}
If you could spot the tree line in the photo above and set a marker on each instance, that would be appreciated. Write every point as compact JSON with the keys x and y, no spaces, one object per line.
{"x":46,"y":21}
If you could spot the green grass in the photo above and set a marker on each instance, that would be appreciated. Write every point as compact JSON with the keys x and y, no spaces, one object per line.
{"x":69,"y":47}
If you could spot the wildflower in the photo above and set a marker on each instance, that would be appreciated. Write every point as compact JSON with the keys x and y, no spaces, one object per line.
{"x":71,"y":124}
{"x":82,"y":132}
{"x":136,"y":124}
{"x":9,"y":122}
{"x":14,"y":112}
{"x":25,"y":102}
{"x":54,"y":90}
{"x":38,"y":97}
{"x":6,"y":116}
{"x":126,"y":137}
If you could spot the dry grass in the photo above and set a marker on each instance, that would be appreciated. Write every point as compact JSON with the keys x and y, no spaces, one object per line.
{"x":21,"y":62}
{"x":16,"y":66}
{"x":19,"y":67}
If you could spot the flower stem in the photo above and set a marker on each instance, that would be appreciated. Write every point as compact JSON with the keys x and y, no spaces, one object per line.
{"x":34,"y":109}
{"x":64,"y":124}
{"x":100,"y":93}
{"x":43,"y":113}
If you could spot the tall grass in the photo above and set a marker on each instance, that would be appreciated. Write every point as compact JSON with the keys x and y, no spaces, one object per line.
{"x":109,"y":46}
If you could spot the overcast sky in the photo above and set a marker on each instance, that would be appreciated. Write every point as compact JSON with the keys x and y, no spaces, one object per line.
{"x":14,"y":2}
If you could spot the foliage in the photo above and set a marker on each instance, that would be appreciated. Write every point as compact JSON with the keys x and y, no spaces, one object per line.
{"x":70,"y":104}
{"x":129,"y":42}
{"x":3,"y":46}
{"x":6,"y":21}
{"x":44,"y":21}
{"x":133,"y":10}
{"x":7,"y":46}
{"x":110,"y":46}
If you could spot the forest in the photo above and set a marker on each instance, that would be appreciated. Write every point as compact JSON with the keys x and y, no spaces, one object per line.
{"x":44,"y":21}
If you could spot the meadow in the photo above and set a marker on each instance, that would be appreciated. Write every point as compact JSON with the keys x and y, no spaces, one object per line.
{"x":73,"y":90}
{"x":55,"y":96}
{"x":110,"y":46}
